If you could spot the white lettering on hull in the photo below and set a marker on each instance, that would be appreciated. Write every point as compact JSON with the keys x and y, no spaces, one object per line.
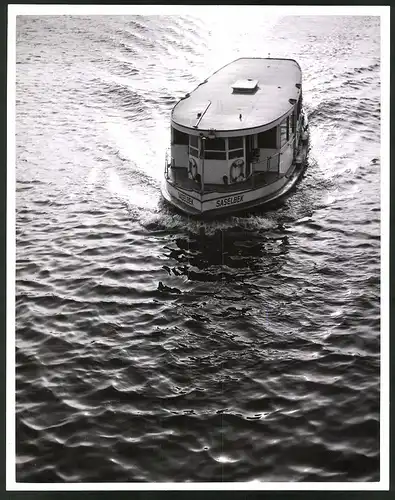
{"x":185,"y":198}
{"x":231,"y":200}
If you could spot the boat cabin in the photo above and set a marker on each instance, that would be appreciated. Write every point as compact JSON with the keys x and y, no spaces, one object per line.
{"x":238,"y":130}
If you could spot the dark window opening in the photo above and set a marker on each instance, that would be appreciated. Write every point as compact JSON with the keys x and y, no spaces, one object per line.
{"x":217,"y":144}
{"x":237,"y":153}
{"x":268,"y":139}
{"x":292,"y":122}
{"x":180,"y":138}
{"x":194,"y":141}
{"x":284,"y":132}
{"x":194,"y":152}
{"x":215,"y":155}
{"x":236,"y":143}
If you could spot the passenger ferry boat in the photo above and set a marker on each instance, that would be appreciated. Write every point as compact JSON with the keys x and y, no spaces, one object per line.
{"x":239,"y":139}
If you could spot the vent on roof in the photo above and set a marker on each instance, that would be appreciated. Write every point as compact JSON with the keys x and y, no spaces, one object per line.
{"x":248,"y":86}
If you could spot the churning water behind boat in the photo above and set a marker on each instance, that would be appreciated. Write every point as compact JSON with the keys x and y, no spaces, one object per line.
{"x":150,"y":349}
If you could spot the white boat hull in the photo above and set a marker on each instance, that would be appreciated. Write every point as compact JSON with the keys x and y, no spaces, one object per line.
{"x":236,"y":143}
{"x":214,"y":204}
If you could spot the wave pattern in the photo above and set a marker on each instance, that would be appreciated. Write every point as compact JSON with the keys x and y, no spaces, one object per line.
{"x":151,"y":347}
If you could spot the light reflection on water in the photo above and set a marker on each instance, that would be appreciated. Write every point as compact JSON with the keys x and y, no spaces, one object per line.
{"x":239,"y":349}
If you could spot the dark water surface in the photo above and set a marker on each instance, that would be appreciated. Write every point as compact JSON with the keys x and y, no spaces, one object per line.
{"x":258,"y":358}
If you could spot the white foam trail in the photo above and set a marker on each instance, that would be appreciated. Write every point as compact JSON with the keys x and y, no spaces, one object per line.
{"x":132,"y":196}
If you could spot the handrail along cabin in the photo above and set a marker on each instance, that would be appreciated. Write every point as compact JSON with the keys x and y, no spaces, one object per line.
{"x":239,"y":139}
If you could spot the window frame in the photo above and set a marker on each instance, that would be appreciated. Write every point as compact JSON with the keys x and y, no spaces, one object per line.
{"x":190,"y":149}
{"x":175,"y":132}
{"x":273,"y":145}
{"x":224,"y":154}
{"x":223,"y":139}
{"x":231,"y":151}
{"x":191,"y":145}
{"x":284,"y":128}
{"x":212,"y":152}
{"x":240,"y":137}
{"x":292,"y":122}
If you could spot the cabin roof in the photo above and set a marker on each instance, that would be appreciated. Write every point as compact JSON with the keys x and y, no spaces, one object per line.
{"x":232,"y":95}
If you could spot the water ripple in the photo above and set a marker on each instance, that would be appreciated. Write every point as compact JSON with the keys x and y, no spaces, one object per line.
{"x":152,"y":347}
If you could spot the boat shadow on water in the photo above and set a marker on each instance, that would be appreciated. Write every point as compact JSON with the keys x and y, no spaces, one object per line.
{"x":229,"y":254}
{"x":233,"y":249}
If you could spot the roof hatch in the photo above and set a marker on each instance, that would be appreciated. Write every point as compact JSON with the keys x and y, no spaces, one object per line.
{"x":248,"y":86}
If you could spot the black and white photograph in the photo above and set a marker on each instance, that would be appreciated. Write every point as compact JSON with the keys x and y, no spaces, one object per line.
{"x":198,"y":197}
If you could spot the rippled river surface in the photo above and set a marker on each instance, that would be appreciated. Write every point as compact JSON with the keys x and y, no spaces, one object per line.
{"x":258,"y":356}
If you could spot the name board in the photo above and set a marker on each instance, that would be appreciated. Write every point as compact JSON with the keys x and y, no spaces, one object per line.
{"x":185,"y":198}
{"x":231,"y":200}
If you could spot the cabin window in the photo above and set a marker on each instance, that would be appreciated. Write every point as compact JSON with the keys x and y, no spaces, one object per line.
{"x":215,"y":149}
{"x":194,"y":152}
{"x":268,"y":139}
{"x":217,"y":144}
{"x":180,"y":138}
{"x":236,"y":143}
{"x":194,"y":146}
{"x":215,"y":155}
{"x":236,"y":153}
{"x":292,"y":122}
{"x":235,"y":147}
{"x":194,"y":141}
{"x":284,"y":132}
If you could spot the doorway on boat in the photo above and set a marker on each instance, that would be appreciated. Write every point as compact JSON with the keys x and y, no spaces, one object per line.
{"x":184,"y":167}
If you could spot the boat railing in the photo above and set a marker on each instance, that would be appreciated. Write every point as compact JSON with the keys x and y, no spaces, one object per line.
{"x":275,"y":165}
{"x":273,"y":162}
{"x":167,"y":162}
{"x":291,"y":142}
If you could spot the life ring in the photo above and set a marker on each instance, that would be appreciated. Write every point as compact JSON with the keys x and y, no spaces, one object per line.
{"x":192,"y":168}
{"x":237,"y":170}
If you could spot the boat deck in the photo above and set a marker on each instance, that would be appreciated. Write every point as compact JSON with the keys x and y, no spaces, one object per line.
{"x":179,"y":177}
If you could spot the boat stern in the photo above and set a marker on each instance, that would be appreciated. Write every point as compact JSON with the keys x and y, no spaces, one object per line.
{"x":181,"y":199}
